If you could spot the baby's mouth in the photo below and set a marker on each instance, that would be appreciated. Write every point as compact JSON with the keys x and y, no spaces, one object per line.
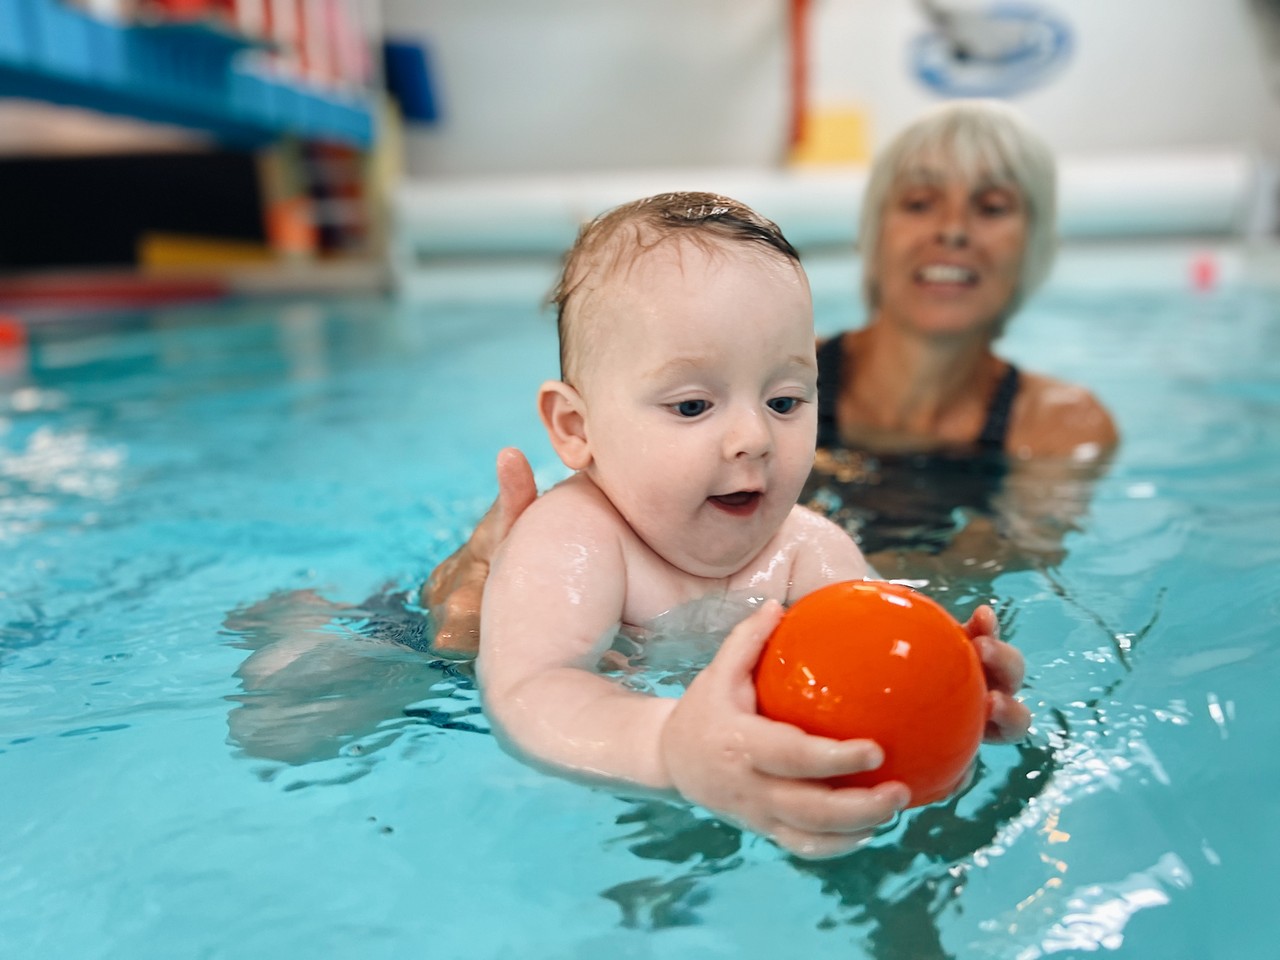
{"x":740,"y":503}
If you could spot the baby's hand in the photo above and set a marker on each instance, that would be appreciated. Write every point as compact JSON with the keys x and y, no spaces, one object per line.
{"x":764,"y":775}
{"x":1007,"y":719}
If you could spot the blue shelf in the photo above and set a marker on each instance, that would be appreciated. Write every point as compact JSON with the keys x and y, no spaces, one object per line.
{"x":191,"y":75}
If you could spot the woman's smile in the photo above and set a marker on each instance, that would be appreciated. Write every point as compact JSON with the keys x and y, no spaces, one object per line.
{"x":947,"y":275}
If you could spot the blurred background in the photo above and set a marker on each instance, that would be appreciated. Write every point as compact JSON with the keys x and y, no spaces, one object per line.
{"x":165,"y":149}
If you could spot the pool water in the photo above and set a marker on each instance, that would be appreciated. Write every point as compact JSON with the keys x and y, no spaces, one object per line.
{"x":191,"y":497}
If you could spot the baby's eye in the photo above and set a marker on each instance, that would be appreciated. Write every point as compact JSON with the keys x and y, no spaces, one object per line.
{"x":784,"y":404}
{"x":691,"y":408}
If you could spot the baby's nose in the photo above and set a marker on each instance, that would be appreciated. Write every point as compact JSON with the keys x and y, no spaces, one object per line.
{"x":748,"y":435}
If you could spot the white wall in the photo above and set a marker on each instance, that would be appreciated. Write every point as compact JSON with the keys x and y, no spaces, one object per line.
{"x":1143,"y":75}
{"x":589,"y":85}
{"x":597,"y":84}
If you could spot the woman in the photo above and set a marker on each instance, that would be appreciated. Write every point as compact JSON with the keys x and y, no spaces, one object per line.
{"x":920,"y":422}
{"x":936,"y":451}
{"x":958,"y":228}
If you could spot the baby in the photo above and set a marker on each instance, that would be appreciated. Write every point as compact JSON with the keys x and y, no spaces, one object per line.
{"x":687,"y":409}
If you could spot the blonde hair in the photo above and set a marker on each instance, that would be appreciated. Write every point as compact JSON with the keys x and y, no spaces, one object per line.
{"x":973,"y":138}
{"x":622,"y":234}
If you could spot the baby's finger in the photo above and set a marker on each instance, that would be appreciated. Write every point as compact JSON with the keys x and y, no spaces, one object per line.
{"x":983,"y":623}
{"x":820,"y":808}
{"x":1003,"y":667}
{"x":1008,"y":720}
{"x":782,"y":750}
{"x":740,"y":651}
{"x":817,"y":846}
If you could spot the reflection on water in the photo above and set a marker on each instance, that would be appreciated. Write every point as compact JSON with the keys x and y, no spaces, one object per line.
{"x":953,"y":515}
{"x":673,"y":834}
{"x":1090,"y":918}
{"x":325,"y":680}
{"x":888,"y":894}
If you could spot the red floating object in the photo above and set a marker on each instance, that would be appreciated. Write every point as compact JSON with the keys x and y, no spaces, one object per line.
{"x":1204,"y":272}
{"x":877,"y":660}
{"x":12,"y":332}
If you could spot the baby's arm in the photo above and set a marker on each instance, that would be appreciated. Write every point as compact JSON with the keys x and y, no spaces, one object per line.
{"x":550,"y":609}
{"x":552,"y":605}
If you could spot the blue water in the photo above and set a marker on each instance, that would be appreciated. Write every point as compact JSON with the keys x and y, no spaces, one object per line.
{"x":187,"y":493}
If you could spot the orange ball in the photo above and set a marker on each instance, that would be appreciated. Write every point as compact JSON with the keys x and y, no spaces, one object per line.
{"x":877,"y":660}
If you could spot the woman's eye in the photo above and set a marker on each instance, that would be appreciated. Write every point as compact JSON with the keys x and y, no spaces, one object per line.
{"x":691,"y":408}
{"x":784,"y":404}
{"x":996,"y":205}
{"x":914,"y":204}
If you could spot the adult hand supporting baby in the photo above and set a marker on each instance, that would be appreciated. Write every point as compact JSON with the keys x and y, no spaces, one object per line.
{"x":1007,"y":719}
{"x":767,"y":776}
{"x":455,"y":587}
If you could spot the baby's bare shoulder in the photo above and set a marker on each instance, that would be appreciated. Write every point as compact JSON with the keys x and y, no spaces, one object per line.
{"x":820,"y":550}
{"x":802,"y":537}
{"x":803,"y":523}
{"x":577,"y":498}
{"x":571,"y":516}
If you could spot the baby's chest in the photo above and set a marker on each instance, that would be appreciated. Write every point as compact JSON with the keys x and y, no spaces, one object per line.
{"x":654,"y":589}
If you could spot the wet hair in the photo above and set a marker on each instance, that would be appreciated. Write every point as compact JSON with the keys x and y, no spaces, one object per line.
{"x":619,"y":237}
{"x":975,"y":139}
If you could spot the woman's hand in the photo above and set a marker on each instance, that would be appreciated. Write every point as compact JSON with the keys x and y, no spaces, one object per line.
{"x":453,"y":591}
{"x":767,"y":776}
{"x":1008,"y":720}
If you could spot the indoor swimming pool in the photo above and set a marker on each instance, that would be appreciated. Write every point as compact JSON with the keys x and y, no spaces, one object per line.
{"x":190,"y":491}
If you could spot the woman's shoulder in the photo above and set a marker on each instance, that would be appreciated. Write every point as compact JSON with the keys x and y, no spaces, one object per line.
{"x":1054,"y":417}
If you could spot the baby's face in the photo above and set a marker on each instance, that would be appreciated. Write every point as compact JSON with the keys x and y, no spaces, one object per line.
{"x":701,"y":392}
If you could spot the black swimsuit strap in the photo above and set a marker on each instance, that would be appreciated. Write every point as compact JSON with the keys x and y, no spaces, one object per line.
{"x":831,"y":373}
{"x":996,"y":429}
{"x":830,"y":362}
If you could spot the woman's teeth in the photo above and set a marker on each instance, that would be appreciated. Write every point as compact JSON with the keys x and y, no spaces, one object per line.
{"x":947,"y":273}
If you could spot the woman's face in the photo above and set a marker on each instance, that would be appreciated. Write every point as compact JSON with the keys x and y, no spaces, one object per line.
{"x":950,"y":252}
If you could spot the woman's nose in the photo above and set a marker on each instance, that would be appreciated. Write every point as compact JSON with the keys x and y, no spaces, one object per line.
{"x":953,"y":226}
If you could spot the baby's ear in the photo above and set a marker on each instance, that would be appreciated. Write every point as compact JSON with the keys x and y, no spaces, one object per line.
{"x":564,"y":415}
